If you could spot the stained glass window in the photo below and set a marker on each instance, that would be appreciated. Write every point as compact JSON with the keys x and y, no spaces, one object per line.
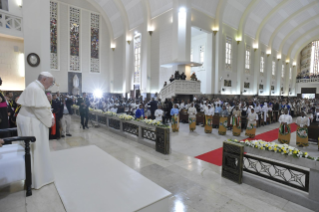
{"x":137,"y":59}
{"x":314,"y":61}
{"x":283,"y":71}
{"x":74,"y":39}
{"x":95,"y":40}
{"x":54,"y":35}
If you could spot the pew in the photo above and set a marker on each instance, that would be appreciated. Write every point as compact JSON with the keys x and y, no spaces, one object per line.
{"x":13,"y":158}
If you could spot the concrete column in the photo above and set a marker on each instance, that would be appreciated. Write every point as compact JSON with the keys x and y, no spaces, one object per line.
{"x":256,"y":71}
{"x":240,"y":66}
{"x":217,"y":61}
{"x":268,"y":75}
{"x":278,"y":77}
{"x":210,"y":70}
{"x":36,"y":36}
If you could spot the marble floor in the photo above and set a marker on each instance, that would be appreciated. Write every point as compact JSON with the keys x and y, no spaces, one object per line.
{"x":196,"y":185}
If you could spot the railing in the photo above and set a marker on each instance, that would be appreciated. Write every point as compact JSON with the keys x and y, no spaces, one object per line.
{"x":10,"y":22}
{"x":294,"y":179}
{"x":307,"y":80}
{"x":159,"y":135}
{"x":278,"y":172}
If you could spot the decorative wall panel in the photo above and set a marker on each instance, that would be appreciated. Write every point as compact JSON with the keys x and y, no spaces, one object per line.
{"x":54,"y":35}
{"x":95,"y":43}
{"x":74,"y":39}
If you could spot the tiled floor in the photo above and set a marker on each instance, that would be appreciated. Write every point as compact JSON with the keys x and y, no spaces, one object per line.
{"x":195,"y":184}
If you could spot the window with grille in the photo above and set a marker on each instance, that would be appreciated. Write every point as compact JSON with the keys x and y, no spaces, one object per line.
{"x":137,"y":59}
{"x":95,"y":43}
{"x":247,"y":58}
{"x":283,"y":71}
{"x":53,"y":35}
{"x":75,"y":39}
{"x":262,"y":64}
{"x":273,"y":70}
{"x":228,"y":51}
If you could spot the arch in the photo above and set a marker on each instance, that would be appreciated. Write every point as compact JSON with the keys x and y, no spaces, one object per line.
{"x":299,"y":39}
{"x":105,"y":17}
{"x":271,"y":40}
{"x":294,"y":30}
{"x":314,"y":38}
{"x":123,"y":12}
{"x":243,"y":18}
{"x":263,"y":23}
{"x":219,"y":13}
{"x":147,"y":11}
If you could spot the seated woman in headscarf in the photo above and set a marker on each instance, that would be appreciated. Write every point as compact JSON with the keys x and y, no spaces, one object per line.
{"x":303,"y":123}
{"x":209,"y":113}
{"x":175,"y":118}
{"x":192,"y":117}
{"x":223,"y":121}
{"x":251,"y":124}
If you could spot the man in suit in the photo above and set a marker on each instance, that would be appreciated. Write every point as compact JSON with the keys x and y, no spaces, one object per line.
{"x":84,"y":104}
{"x":66,"y":115}
{"x":153,"y":107}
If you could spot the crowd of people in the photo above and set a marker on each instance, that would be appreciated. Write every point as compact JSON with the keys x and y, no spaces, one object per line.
{"x":232,"y":114}
{"x":307,"y":75}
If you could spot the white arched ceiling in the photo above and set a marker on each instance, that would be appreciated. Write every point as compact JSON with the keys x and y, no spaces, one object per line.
{"x":277,"y":21}
{"x":293,"y":11}
{"x":308,"y":35}
{"x":303,"y":27}
{"x":299,"y":33}
{"x":114,"y":15}
{"x":134,"y":12}
{"x":244,"y":17}
{"x":206,"y":6}
{"x":160,"y":6}
{"x":299,"y":21}
{"x":234,"y":11}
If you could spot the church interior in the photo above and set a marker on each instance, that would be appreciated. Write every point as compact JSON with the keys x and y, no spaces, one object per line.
{"x":159,"y":105}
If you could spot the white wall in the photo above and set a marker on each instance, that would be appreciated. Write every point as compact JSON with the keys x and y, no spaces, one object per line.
{"x":90,"y":81}
{"x":11,"y":66}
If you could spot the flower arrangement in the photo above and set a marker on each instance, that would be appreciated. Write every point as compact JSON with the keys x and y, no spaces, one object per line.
{"x":109,"y":113}
{"x":75,"y":106}
{"x":153,"y":123}
{"x":283,"y":149}
{"x":126,"y":117}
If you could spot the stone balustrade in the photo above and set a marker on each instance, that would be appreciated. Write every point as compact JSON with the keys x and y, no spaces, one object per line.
{"x":180,"y":87}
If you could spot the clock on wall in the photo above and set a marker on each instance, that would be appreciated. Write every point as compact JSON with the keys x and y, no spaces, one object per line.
{"x":33,"y":59}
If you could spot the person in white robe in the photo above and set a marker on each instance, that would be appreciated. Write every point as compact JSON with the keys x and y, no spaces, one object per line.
{"x":265,"y":112}
{"x":34,"y":119}
{"x":303,"y":123}
{"x":251,"y":124}
{"x":284,"y":130}
{"x":192,"y":117}
{"x":159,"y":113}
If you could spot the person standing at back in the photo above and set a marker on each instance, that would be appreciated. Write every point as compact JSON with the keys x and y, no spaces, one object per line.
{"x":84,"y":104}
{"x":66,"y":116}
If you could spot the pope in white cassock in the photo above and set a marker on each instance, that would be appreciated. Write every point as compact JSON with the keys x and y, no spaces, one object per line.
{"x":34,"y":119}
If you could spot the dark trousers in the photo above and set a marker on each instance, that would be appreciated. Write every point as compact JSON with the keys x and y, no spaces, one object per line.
{"x":84,"y":115}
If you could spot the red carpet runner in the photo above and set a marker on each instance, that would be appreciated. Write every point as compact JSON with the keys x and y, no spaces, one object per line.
{"x":216,"y":156}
